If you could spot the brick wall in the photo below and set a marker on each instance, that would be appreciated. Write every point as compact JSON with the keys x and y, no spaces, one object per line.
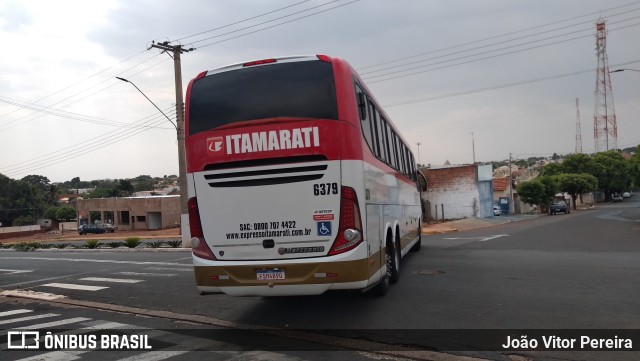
{"x":454,"y":187}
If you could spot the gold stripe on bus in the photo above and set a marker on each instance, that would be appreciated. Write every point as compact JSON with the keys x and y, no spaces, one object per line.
{"x":408,"y":237}
{"x":295,"y":274}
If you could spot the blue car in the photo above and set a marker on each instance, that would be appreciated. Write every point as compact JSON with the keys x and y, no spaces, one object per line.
{"x":90,"y":228}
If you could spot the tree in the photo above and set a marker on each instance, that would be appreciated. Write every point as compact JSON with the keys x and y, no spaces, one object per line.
{"x":66,"y":213}
{"x":37,"y":180}
{"x":578,"y":163}
{"x":538,"y":191}
{"x":634,"y":168}
{"x":576,"y":184}
{"x":532,"y":192}
{"x":123,"y":189}
{"x":50,"y":213}
{"x":551,"y":169}
{"x":612,"y":172}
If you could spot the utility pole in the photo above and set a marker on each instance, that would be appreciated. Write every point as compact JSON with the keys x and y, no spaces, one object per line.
{"x":176,"y":50}
{"x":473,"y":147}
{"x":510,"y":187}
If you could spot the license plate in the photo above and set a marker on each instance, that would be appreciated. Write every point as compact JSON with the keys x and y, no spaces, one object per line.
{"x":270,"y":274}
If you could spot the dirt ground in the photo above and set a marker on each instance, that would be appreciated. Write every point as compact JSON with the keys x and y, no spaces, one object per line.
{"x":53,"y":236}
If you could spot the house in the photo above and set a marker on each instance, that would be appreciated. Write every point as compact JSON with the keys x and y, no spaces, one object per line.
{"x":128,"y":213}
{"x":458,"y":191}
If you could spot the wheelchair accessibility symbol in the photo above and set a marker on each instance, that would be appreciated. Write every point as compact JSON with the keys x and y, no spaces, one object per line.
{"x":324,"y":228}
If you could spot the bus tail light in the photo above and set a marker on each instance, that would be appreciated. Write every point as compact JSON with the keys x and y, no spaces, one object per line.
{"x":350,"y":230}
{"x":199,"y":246}
{"x":259,"y":62}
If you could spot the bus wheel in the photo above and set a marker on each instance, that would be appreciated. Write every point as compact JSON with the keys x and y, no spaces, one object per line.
{"x":383,"y":286}
{"x":393,"y":261}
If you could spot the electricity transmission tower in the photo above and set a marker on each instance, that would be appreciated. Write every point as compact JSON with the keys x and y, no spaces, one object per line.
{"x":605,"y":129}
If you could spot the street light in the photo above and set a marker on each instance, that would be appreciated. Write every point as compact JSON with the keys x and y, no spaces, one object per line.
{"x":154,"y":104}
{"x":182,"y":167}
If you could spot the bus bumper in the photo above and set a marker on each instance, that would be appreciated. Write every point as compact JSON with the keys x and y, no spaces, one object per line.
{"x":308,"y":278}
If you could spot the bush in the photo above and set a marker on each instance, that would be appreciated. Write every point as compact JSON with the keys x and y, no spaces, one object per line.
{"x":66,"y":213}
{"x":115,"y":244}
{"x":93,"y":243}
{"x":155,"y":244}
{"x":46,"y":245}
{"x":23,"y":221}
{"x":61,"y":245}
{"x":174,"y":244}
{"x":132,"y":242}
{"x":24,"y":247}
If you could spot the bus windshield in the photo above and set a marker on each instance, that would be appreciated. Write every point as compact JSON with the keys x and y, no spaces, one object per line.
{"x":303,"y":89}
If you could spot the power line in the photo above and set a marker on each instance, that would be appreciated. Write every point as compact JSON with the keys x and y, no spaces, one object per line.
{"x":65,"y":114}
{"x":282,"y":23}
{"x":501,"y":42}
{"x":491,"y":51}
{"x":265,"y":22}
{"x":79,"y":149}
{"x":86,"y":95}
{"x":239,"y":22}
{"x":495,"y":87}
{"x":498,"y":36}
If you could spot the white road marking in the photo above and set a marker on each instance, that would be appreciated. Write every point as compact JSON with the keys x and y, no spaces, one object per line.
{"x":28,"y":318}
{"x":97,"y":261}
{"x":171,"y":269}
{"x":116,"y":280}
{"x":71,"y":286}
{"x":493,"y":237}
{"x":13,"y":271}
{"x":147,"y":274}
{"x":14,"y":312}
{"x":480,"y":239}
{"x":53,"y":324}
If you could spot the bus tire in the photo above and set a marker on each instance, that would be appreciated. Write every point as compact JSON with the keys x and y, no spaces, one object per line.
{"x":393,"y":260}
{"x":416,"y":247}
{"x":383,"y":286}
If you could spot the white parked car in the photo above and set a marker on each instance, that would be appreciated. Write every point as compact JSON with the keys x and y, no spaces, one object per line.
{"x":496,"y":210}
{"x":626,"y":195}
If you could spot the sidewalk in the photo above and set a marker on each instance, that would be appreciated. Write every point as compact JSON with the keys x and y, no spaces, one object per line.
{"x":472,"y":223}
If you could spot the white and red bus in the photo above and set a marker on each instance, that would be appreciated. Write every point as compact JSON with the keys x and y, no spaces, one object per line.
{"x":298,"y":182}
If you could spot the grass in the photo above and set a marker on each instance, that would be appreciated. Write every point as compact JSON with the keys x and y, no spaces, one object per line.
{"x":132,"y":242}
{"x":115,"y":244}
{"x":61,"y":245}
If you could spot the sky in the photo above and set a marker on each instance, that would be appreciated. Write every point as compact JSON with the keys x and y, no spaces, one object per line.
{"x":497,"y":77}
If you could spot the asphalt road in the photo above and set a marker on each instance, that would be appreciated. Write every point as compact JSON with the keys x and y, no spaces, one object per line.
{"x":576,"y":271}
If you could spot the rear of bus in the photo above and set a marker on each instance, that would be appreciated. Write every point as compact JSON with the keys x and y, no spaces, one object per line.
{"x":272,"y":211}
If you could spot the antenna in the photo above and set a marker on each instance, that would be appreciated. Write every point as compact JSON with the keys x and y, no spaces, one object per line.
{"x":605,"y":129}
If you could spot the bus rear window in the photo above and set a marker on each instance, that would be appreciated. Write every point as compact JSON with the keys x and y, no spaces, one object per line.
{"x":303,"y":89}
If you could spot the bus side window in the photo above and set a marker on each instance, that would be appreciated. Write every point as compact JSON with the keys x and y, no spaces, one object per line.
{"x":374,"y":130}
{"x":365,"y":120}
{"x":382,"y":138}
